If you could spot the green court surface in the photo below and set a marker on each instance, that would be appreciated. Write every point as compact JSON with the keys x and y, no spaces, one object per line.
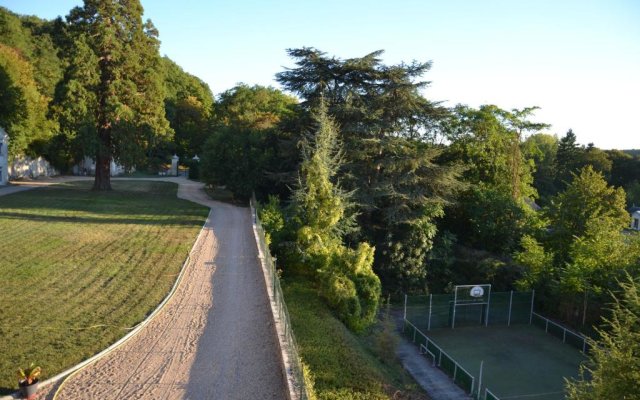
{"x":520,"y":362}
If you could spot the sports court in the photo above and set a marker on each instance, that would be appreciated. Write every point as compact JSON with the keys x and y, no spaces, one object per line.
{"x":523,"y":355}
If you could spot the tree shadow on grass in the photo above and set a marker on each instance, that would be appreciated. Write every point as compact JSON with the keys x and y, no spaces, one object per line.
{"x":134,"y":203}
{"x":177,"y":220}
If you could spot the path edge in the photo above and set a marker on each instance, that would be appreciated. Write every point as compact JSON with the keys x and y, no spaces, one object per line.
{"x":62,"y":375}
{"x":285,"y":362}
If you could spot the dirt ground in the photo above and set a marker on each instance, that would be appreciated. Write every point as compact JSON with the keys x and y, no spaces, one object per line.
{"x":213,"y":340}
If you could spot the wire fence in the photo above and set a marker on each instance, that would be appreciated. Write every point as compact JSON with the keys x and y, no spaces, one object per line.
{"x":290,"y":347}
{"x":439,"y":310}
{"x":567,"y":336}
{"x":440,"y":358}
{"x":488,"y":395}
{"x":428,"y":312}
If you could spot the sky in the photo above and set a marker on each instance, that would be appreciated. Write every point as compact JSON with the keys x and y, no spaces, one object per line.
{"x":578,"y":60}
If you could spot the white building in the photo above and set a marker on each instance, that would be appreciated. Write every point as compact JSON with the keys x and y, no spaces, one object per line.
{"x":635,"y":218}
{"x":88,"y":167}
{"x":4,"y":157}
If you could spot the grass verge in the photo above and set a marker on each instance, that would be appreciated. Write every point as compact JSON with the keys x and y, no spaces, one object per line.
{"x":343,"y":365}
{"x":78,"y":268}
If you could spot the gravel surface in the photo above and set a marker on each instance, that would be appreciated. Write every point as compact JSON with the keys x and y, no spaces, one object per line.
{"x":213,"y":340}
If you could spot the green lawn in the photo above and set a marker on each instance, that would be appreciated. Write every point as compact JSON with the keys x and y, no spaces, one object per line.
{"x":71,"y":259}
{"x":344,"y":365}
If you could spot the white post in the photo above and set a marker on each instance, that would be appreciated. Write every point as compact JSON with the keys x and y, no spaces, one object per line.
{"x":486,"y":322}
{"x":430,"y":306}
{"x":533,"y":295}
{"x":4,"y":158}
{"x":174,"y":165}
{"x":510,"y":304}
{"x":405,"y":307}
{"x":455,"y":301}
{"x":480,"y":379}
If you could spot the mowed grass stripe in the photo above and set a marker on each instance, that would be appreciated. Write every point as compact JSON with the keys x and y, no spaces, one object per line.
{"x":72,"y":259}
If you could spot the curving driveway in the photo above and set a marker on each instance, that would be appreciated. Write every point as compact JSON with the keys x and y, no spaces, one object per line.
{"x":214,"y":339}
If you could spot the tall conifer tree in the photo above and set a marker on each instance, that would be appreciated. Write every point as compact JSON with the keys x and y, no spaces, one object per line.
{"x":129,"y":109}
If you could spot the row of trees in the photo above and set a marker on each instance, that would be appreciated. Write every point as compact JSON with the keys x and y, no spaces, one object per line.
{"x":371,"y":187}
{"x":95,"y":85}
{"x":443,"y":195}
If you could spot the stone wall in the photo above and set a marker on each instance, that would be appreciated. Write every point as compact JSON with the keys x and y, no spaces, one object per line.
{"x":4,"y":157}
{"x":27,"y":167}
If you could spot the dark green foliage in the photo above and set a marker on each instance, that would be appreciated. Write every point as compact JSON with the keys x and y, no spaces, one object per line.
{"x":189,"y":108}
{"x":541,"y":149}
{"x":35,"y":39}
{"x":345,"y":276}
{"x":613,"y":370}
{"x":489,"y":140}
{"x":235,"y":159}
{"x":633,"y":193}
{"x":571,"y":158}
{"x":568,"y":159}
{"x":625,"y":172}
{"x":128,"y":113}
{"x":272,"y":218}
{"x":388,"y":129}
{"x":194,"y":169}
{"x":588,"y":198}
{"x":254,"y":107}
{"x":494,"y":220}
{"x":249,"y":140}
{"x":597,"y":158}
{"x":576,"y":261}
{"x":23,"y":110}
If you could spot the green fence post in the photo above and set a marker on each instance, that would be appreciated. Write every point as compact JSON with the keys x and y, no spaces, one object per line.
{"x":480,"y":379}
{"x":430,"y":305}
{"x":510,"y":305}
{"x":405,"y":307}
{"x":533,"y":295}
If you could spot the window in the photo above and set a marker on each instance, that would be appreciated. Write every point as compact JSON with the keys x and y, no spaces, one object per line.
{"x":636,"y":223}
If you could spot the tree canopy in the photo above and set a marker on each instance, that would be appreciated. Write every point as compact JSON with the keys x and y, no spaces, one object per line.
{"x":613,"y":371}
{"x":129,"y":111}
{"x":388,"y":129}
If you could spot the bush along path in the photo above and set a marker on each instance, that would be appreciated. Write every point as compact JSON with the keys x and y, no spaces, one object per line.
{"x":214,"y":339}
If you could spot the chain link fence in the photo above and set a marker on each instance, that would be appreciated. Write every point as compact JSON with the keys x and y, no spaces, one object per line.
{"x":423,"y":313}
{"x":436,"y":310}
{"x":440,"y":358}
{"x":567,"y":336}
{"x":295,"y":378}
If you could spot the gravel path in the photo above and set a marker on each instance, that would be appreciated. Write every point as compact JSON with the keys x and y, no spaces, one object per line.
{"x":214,"y":339}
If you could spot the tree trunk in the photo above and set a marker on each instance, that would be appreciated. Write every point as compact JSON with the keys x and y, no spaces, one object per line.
{"x":102,"y":181}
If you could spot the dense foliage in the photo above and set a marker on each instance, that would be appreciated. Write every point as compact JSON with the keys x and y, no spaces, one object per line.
{"x":344,"y":274}
{"x":391,"y":161}
{"x":614,"y":368}
{"x":50,"y":74}
{"x":248,"y":147}
{"x":360,"y":170}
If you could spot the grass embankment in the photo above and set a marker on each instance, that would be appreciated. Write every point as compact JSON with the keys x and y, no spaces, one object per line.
{"x":77,"y":268}
{"x":343,"y":365}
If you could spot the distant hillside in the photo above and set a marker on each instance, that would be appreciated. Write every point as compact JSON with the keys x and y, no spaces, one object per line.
{"x":633,"y":152}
